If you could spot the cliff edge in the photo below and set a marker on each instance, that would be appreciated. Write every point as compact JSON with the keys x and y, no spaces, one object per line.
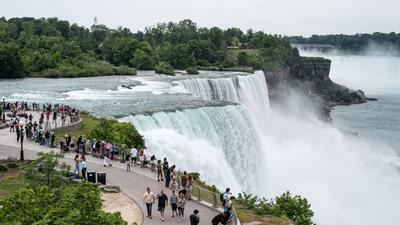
{"x":310,"y":76}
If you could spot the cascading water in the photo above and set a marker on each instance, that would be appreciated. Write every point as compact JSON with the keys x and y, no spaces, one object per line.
{"x":214,"y":141}
{"x":347,"y":179}
{"x":250,"y":90}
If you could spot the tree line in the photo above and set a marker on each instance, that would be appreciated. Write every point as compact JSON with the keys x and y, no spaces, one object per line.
{"x":356,"y":43}
{"x":53,"y":47}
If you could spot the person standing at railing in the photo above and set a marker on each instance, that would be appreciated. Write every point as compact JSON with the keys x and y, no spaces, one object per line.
{"x":159,"y":171}
{"x":189,"y":186}
{"x":222,"y":218}
{"x":148,"y":199}
{"x":165,"y":169}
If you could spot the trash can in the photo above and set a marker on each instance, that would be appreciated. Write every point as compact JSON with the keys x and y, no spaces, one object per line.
{"x":91,"y":176}
{"x":101,"y":177}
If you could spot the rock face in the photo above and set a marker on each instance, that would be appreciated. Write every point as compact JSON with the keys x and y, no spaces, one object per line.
{"x":311,"y":77}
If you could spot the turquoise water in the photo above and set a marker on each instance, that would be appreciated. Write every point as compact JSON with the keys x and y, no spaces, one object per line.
{"x":378,"y":121}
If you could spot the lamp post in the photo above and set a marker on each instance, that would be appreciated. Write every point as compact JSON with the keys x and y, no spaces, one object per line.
{"x":21,"y":125}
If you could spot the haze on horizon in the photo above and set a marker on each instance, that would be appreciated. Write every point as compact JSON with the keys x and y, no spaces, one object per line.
{"x":286,"y":17}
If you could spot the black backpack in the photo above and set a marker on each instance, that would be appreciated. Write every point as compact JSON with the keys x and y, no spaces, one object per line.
{"x":221,"y":197}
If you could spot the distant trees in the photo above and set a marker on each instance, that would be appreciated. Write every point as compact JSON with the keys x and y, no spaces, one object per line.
{"x":352,"y":43}
{"x":48,"y":46}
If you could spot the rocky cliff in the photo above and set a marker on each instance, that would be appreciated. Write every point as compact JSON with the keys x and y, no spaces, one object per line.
{"x":310,"y":76}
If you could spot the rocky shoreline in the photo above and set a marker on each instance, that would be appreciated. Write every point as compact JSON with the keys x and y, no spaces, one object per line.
{"x":310,"y":77}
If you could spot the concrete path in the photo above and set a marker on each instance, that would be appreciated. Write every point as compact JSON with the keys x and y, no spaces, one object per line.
{"x":132,"y":183}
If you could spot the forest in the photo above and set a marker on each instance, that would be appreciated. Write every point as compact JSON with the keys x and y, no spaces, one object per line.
{"x":49,"y":47}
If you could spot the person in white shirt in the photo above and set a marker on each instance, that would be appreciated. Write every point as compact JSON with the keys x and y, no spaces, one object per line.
{"x":149,"y":199}
{"x":134,"y":153}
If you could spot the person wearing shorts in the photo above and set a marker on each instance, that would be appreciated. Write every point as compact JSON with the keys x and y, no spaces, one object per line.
{"x":173,"y":199}
{"x":162,"y":203}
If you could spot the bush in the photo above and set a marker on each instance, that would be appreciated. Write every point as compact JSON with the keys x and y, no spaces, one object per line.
{"x":295,"y":208}
{"x":192,"y":70}
{"x":49,"y":199}
{"x":12,"y":165}
{"x":3,"y":168}
{"x":118,"y":133}
{"x":87,"y":70}
{"x":165,"y":68}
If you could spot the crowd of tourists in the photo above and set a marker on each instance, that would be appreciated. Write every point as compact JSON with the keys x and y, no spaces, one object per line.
{"x":179,"y":184}
{"x":38,"y":129}
{"x":180,"y":187}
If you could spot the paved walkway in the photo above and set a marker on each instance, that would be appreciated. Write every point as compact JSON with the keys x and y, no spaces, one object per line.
{"x":132,"y":183}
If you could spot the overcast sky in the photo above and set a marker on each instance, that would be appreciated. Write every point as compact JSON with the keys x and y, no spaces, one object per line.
{"x":290,"y":17}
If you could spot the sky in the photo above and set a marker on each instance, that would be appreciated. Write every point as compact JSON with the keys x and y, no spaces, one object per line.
{"x":285,"y":17}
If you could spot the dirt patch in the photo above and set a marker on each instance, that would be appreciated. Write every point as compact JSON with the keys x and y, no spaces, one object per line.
{"x":119,"y":202}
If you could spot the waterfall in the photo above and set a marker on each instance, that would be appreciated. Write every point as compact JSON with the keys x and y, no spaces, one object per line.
{"x":218,"y":142}
{"x":250,"y":90}
{"x":206,"y":139}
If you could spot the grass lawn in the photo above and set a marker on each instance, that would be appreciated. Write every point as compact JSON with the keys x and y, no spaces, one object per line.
{"x":88,"y":124}
{"x":10,"y":182}
{"x":248,"y":217}
{"x":235,"y":52}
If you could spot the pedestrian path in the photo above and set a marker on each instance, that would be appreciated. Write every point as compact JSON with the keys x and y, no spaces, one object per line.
{"x":132,"y":183}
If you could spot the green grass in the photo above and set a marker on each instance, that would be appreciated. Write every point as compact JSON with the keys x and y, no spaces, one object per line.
{"x":235,"y":52}
{"x":247,"y":216}
{"x":88,"y":124}
{"x":10,"y":182}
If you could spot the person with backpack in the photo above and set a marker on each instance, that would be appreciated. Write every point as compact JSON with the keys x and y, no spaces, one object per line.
{"x":224,"y":197}
{"x":77,"y":160}
{"x":194,"y":218}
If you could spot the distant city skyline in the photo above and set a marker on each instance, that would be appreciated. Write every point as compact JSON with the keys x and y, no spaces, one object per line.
{"x":284,"y":17}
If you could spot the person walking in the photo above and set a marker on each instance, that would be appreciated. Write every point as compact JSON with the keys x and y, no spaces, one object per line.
{"x":181,"y":207}
{"x":83,"y":167}
{"x":107,"y":160}
{"x":76,"y":159}
{"x":173,"y":199}
{"x":162,"y":203}
{"x":148,"y":199}
{"x":194,"y":218}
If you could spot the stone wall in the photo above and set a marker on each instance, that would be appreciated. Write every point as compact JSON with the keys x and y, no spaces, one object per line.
{"x":68,"y":128}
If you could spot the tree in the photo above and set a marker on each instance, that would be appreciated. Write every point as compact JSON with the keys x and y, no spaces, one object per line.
{"x":45,"y":203}
{"x":142,"y":61}
{"x":243,"y":59}
{"x":10,"y":61}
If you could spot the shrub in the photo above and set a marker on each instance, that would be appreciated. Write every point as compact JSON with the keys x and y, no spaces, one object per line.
{"x":3,"y":167}
{"x":165,"y":68}
{"x":295,"y":208}
{"x":12,"y":165}
{"x":192,"y":70}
